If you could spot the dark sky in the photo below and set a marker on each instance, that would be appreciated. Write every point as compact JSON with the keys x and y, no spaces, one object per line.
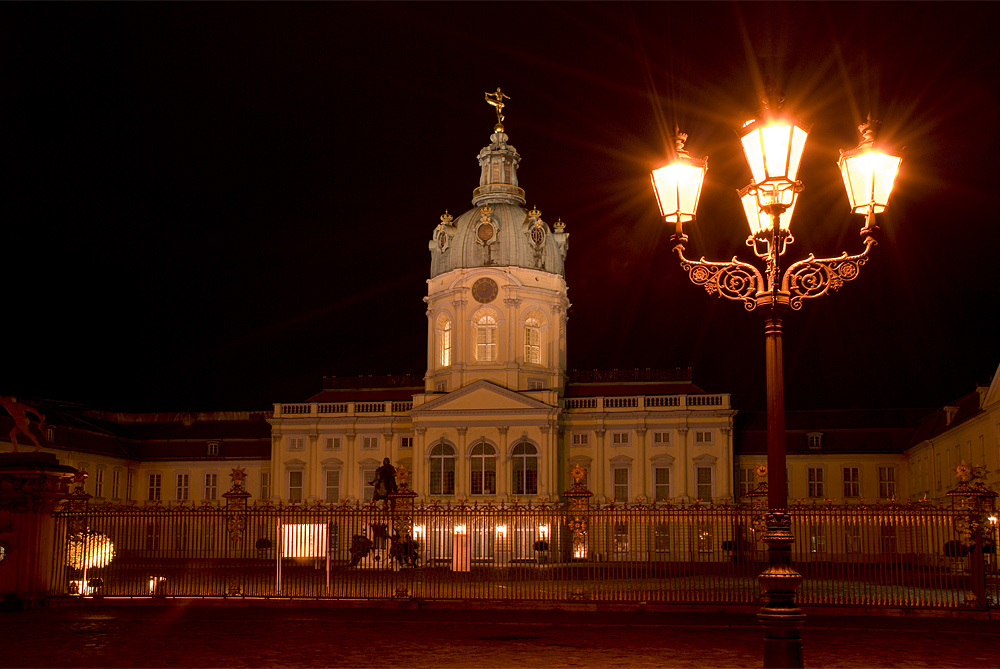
{"x":209,"y":206}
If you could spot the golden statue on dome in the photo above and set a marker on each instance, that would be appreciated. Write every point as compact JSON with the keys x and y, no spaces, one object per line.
{"x":497,"y":100}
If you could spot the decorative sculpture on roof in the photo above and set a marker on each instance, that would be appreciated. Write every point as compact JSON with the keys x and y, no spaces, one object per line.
{"x":18,"y":411}
{"x":497,"y":100}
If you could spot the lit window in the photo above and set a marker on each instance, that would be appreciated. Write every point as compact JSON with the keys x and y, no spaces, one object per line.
{"x":817,"y":539}
{"x":621,"y":537}
{"x":816,"y":482}
{"x":619,"y":438}
{"x":580,"y":439}
{"x":887,"y":482}
{"x":406,"y":442}
{"x":661,"y":477}
{"x":182,"y":486}
{"x":333,"y":485}
{"x":484,"y":469}
{"x":852,"y":482}
{"x":295,"y":485}
{"x":444,"y":340}
{"x":704,"y":475}
{"x":50,"y":434}
{"x":621,"y":484}
{"x":704,"y":538}
{"x":369,"y":442}
{"x":524,"y":469}
{"x":661,"y":438}
{"x":486,"y":338}
{"x":532,"y":341}
{"x":296,"y":443}
{"x":442,"y":470}
{"x":211,"y":486}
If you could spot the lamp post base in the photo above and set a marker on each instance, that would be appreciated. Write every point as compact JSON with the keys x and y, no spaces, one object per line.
{"x":780,"y":616}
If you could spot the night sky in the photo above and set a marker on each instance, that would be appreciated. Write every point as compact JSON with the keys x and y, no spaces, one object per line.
{"x":210,"y":206}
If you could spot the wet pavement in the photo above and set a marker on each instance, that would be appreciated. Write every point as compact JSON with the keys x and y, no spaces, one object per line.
{"x":241,"y":633}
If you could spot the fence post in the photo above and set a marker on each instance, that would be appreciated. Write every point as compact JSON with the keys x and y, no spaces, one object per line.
{"x":31,"y":484}
{"x":974,"y":501}
{"x":236,"y":525}
{"x":578,"y":518}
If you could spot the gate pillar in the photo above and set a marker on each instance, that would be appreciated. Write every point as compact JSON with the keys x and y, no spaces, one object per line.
{"x":31,"y":484}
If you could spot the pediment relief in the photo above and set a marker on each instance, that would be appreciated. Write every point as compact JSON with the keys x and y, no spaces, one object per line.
{"x":482,"y":397}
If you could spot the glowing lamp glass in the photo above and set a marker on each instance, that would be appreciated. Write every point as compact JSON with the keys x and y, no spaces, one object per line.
{"x":773,"y":149}
{"x":678,"y":188}
{"x":868,"y":178}
{"x":501,"y":531}
{"x":757,"y":218}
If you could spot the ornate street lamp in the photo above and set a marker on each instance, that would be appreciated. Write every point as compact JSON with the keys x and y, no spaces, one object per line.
{"x":773,"y":147}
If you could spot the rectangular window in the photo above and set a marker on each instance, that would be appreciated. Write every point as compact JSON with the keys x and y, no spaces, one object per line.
{"x":706,"y":543}
{"x":621,"y":538}
{"x":536,"y":384}
{"x":333,"y":443}
{"x":296,"y":443}
{"x":182,"y":486}
{"x":213,"y":448}
{"x":852,"y":536}
{"x":406,"y":442}
{"x":265,"y":485}
{"x":621,"y":484}
{"x":99,"y":483}
{"x":815,"y":441}
{"x":154,"y":487}
{"x":441,"y":387}
{"x":661,"y":538}
{"x":368,"y":488}
{"x":937,"y":469}
{"x":661,"y":438}
{"x":486,"y":343}
{"x":295,"y":485}
{"x":619,"y":438}
{"x":746,"y":479}
{"x":661,"y":479}
{"x":816,"y":482}
{"x":703,"y":436}
{"x":852,"y":482}
{"x":211,"y":486}
{"x":817,"y":539}
{"x":888,"y":537}
{"x":333,"y":485}
{"x":580,"y":438}
{"x":887,"y":482}
{"x":532,"y":348}
{"x":369,"y":442}
{"x":445,"y":345}
{"x":116,"y":483}
{"x":704,"y":475}
{"x":130,"y":485}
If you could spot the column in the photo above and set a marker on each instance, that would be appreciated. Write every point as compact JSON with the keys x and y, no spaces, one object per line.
{"x":683,"y":465}
{"x":600,"y":465}
{"x":419,"y":453}
{"x":727,"y":462}
{"x":462,"y":464}
{"x":503,"y":472}
{"x":642,"y":464}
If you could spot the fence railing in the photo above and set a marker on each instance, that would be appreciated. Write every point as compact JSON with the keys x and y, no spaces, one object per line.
{"x":858,"y":555}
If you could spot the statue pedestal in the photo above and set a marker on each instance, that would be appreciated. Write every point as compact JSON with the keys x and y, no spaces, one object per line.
{"x":31,"y":484}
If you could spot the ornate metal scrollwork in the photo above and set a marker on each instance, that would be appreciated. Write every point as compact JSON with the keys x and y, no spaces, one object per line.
{"x":813,"y":277}
{"x":735,"y":280}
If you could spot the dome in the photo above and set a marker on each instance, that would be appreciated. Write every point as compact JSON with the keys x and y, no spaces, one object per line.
{"x":498,"y":231}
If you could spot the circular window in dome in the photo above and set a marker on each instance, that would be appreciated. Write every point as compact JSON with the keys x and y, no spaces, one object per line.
{"x":537,"y":235}
{"x":485,"y":232}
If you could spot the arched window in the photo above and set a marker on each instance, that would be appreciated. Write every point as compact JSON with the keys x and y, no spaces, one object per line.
{"x":486,"y":337}
{"x":484,"y":469}
{"x":444,"y":340}
{"x":442,"y":469}
{"x":524,"y":469}
{"x":532,"y":341}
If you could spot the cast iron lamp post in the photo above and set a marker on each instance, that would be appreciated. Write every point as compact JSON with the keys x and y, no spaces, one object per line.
{"x":773,"y":146}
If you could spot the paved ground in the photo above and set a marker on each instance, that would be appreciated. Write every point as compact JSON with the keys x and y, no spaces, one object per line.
{"x":178,"y":634}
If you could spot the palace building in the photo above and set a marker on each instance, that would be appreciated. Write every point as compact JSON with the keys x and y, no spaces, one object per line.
{"x":498,"y":415}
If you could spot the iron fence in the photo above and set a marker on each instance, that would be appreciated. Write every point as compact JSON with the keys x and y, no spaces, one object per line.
{"x":906,"y":555}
